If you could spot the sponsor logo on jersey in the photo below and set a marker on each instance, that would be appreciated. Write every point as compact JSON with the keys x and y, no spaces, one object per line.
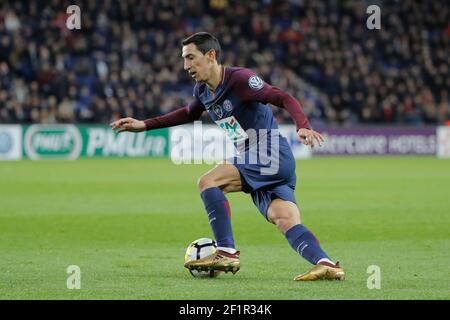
{"x":227,"y":105}
{"x":255,"y":82}
{"x":232,"y":129}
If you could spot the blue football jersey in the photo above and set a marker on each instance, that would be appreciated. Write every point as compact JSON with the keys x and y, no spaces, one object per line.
{"x":238,"y":106}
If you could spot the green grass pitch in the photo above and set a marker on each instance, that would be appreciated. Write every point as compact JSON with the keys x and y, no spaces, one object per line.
{"x":126,"y":224}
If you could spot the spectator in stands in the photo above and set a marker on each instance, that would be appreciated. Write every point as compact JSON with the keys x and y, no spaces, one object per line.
{"x":126,"y":58}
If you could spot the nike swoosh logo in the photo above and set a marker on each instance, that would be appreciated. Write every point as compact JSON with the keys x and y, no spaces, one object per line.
{"x":211,"y":212}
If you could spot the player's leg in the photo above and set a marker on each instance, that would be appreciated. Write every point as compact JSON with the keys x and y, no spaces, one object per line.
{"x":286,"y":216}
{"x":213,"y":185}
{"x":224,"y":176}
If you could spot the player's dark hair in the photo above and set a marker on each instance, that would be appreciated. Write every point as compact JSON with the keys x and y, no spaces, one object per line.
{"x":204,"y":42}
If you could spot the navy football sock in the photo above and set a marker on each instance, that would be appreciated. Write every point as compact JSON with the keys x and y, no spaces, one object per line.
{"x":305,"y":243}
{"x":219,"y":216}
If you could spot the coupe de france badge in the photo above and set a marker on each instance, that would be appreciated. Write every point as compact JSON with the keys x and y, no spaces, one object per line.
{"x":255,"y":82}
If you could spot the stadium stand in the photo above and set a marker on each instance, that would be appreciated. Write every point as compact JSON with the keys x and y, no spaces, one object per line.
{"x":125,"y":60}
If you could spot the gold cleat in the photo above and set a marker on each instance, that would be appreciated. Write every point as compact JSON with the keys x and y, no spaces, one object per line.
{"x":323,"y":271}
{"x":220,"y":260}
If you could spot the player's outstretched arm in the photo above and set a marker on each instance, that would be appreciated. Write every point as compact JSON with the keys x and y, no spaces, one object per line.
{"x":187,"y":114}
{"x":250,"y":87}
{"x":305,"y":134}
{"x":309,"y":136}
{"x":128,"y":124}
{"x":284,"y":100}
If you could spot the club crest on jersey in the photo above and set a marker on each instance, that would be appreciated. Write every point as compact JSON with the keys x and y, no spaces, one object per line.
{"x":227,"y":105}
{"x":217,"y":110}
{"x":255,"y":82}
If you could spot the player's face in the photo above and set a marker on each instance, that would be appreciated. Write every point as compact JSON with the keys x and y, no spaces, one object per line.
{"x":197,"y":64}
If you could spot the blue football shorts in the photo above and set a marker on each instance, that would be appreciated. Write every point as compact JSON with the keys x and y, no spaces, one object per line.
{"x":266,"y":182}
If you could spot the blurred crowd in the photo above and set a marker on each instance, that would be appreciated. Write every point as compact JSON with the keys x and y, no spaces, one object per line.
{"x":126,"y":58}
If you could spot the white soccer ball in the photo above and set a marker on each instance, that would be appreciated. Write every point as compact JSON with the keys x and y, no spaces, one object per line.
{"x":199,"y":249}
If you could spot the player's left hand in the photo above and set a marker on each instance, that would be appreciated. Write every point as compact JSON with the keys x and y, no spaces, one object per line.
{"x":307,"y":136}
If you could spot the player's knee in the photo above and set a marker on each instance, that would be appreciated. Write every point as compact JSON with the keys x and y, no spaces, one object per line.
{"x":205,"y":182}
{"x":284,"y":219}
{"x":285,"y":223}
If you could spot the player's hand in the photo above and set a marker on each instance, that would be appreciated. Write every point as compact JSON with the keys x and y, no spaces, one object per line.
{"x":128,"y":124}
{"x":310,"y":137}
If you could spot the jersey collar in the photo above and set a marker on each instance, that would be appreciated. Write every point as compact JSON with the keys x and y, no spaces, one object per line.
{"x":222,"y":80}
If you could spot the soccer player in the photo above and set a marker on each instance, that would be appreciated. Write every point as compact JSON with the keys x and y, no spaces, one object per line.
{"x":236,"y":99}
